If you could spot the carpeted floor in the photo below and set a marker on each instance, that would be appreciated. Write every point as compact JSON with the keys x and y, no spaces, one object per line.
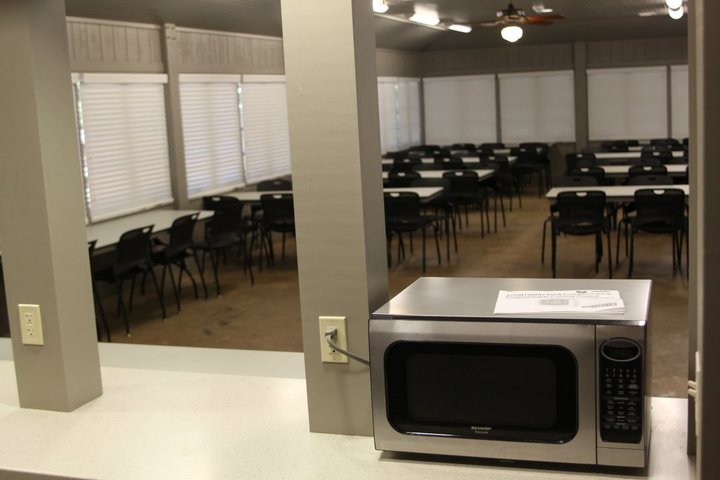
{"x":266,"y":316}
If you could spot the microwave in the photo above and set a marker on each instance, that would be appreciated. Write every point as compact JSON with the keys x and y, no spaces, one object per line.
{"x":449,"y":377}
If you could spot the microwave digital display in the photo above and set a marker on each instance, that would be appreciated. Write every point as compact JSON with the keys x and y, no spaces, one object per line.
{"x":508,"y":392}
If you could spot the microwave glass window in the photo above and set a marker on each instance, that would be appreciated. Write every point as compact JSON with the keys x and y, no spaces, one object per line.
{"x":510,"y":392}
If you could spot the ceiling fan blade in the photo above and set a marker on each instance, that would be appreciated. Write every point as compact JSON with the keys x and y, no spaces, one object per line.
{"x":493,"y":23}
{"x":537,"y":21}
{"x":546,"y":17}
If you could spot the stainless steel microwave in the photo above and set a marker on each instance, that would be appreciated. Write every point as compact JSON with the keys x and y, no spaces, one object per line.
{"x":451,"y":378}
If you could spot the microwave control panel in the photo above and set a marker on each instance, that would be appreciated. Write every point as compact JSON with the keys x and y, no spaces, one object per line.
{"x":621,"y":392}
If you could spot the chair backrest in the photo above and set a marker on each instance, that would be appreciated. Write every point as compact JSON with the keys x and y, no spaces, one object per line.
{"x":401,"y":205}
{"x":274,"y":185}
{"x":575,"y":181}
{"x":463,"y":146}
{"x":491,"y":145}
{"x":581,"y":209}
{"x":133,"y":249}
{"x":402,"y":179}
{"x":278,"y":207}
{"x":181,"y":234}
{"x":650,"y":180}
{"x":462,"y":181}
{"x":452,"y":163}
{"x":573,"y":160}
{"x":661,"y":205}
{"x":591,"y":171}
{"x":542,"y":149}
{"x":406,"y":164}
{"x":216,"y":202}
{"x":224,"y":222}
{"x":647,"y":170}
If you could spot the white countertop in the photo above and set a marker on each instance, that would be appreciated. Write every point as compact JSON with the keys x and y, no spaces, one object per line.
{"x":158,"y":421}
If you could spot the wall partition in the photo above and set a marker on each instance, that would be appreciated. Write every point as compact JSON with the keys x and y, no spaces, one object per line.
{"x":679,"y":101}
{"x":460,"y":109}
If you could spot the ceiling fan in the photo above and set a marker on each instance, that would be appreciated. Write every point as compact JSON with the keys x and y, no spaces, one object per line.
{"x":511,"y":20}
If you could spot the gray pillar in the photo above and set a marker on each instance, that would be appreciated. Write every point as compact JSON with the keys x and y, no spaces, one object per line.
{"x":42,"y":228}
{"x":176,"y":146}
{"x":705,"y":229}
{"x":581,"y":95}
{"x":335,"y":146}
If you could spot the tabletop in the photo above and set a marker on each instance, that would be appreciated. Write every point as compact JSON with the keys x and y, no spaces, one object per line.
{"x":622,"y":170}
{"x":614,"y":192}
{"x":425,"y":193}
{"x":635,"y":154}
{"x":107,"y":233}
{"x":466,"y":158}
{"x":483,"y":174}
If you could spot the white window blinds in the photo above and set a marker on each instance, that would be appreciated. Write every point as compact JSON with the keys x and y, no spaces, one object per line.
{"x":124,"y":143}
{"x":537,"y":107}
{"x":211,"y":133}
{"x":460,"y":110}
{"x":388,"y":115}
{"x":627,"y":103}
{"x":266,"y":137}
{"x":399,"y":110}
{"x":679,"y":101}
{"x":408,"y":104}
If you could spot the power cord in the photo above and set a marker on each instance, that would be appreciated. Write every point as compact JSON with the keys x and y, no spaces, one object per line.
{"x":331,"y":335}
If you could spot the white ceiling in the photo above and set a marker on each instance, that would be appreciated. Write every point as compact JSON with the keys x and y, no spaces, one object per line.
{"x":585,"y":19}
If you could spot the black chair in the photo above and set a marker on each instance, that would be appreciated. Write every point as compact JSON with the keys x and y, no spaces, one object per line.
{"x":527,"y":165}
{"x":659,"y":211}
{"x":278,"y":216}
{"x":504,"y":179}
{"x":454,"y":162}
{"x":174,"y":253}
{"x":491,"y":145}
{"x":582,"y":213}
{"x":132,"y":259}
{"x":406,"y":164}
{"x":403,"y":214}
{"x":564,"y":181}
{"x":246,"y":226}
{"x":637,"y":170}
{"x":224,"y":230}
{"x":577,"y":160}
{"x":439,"y":208}
{"x":96,"y":297}
{"x":276,"y":185}
{"x":468,"y":147}
{"x":465,"y":191}
{"x":402,"y":178}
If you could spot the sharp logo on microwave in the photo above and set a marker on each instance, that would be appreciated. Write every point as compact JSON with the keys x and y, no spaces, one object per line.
{"x":480,"y":429}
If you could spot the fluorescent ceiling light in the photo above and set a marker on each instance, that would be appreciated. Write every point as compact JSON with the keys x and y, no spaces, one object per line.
{"x":425,"y":19}
{"x":673,"y":4}
{"x":380,"y":7}
{"x":460,"y":28}
{"x":512,"y":33}
{"x":677,"y":13}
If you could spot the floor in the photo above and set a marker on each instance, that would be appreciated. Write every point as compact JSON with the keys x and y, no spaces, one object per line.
{"x":266,"y":316}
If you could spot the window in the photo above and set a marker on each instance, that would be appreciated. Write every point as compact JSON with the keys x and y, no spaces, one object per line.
{"x":265,"y":133}
{"x":211,"y":133}
{"x":679,"y":101}
{"x":123,"y":138}
{"x":399,"y":109}
{"x":538,"y":106}
{"x":460,"y":109}
{"x":627,"y":103}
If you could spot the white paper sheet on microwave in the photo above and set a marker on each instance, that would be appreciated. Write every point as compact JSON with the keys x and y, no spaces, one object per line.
{"x":558,"y":301}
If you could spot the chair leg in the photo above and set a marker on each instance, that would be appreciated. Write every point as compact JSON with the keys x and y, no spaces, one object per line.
{"x":423,"y":250}
{"x":632,"y":252}
{"x":159,"y":294}
{"x":121,"y":306}
{"x":609,"y":253}
{"x":215,"y":261}
{"x":553,"y":246}
{"x":176,"y":294}
{"x":101,"y":310}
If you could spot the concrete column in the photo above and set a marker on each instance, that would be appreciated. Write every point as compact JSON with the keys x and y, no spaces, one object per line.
{"x":176,"y":145}
{"x":581,"y":95}
{"x":42,"y":227}
{"x":335,"y":146}
{"x":705,"y":229}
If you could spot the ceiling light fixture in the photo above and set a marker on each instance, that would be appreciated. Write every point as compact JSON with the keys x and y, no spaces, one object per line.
{"x":425,"y":19}
{"x":677,"y":13}
{"x":460,"y":28}
{"x":673,"y":4}
{"x":380,"y":7}
{"x":512,"y":33}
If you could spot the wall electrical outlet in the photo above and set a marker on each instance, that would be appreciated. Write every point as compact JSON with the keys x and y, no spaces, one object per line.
{"x":327,"y":353}
{"x":31,"y":324}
